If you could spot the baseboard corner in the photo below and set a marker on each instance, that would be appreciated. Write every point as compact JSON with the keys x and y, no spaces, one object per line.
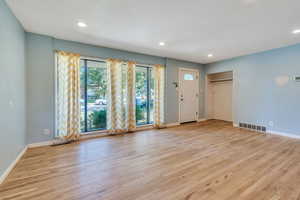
{"x":41,"y":144}
{"x":235,"y":125}
{"x":12,"y":165}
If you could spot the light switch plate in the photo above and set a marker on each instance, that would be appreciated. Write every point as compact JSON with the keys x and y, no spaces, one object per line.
{"x":46,"y":132}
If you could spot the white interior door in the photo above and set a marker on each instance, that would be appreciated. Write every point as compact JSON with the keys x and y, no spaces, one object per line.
{"x":222,"y":100}
{"x":188,"y":95}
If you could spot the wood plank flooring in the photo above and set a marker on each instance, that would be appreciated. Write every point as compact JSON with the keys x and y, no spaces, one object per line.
{"x":209,"y":160}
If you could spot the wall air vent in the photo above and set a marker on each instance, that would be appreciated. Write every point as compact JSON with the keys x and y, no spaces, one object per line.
{"x":253,"y":127}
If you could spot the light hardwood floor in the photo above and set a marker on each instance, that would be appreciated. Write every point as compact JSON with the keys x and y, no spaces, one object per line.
{"x":209,"y":161}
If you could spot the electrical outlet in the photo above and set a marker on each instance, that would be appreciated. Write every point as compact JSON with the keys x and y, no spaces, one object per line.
{"x":46,"y":132}
{"x":271,"y":123}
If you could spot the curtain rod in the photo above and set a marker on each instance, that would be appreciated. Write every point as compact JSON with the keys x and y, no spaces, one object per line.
{"x":103,"y":59}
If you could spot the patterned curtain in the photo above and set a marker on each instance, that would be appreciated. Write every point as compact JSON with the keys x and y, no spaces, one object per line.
{"x":68,"y":96}
{"x":121,"y":96}
{"x":159,"y":76}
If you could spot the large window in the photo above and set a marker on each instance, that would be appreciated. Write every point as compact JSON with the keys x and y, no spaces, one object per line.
{"x":144,"y":95}
{"x":93,"y":83}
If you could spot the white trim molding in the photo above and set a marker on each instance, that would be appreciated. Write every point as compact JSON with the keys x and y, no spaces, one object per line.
{"x":202,"y":120}
{"x":172,"y":124}
{"x":12,"y":165}
{"x":290,"y":135}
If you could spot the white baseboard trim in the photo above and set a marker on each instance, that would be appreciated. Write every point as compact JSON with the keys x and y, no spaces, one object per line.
{"x":173,"y":124}
{"x":12,"y":165}
{"x":235,"y":125}
{"x":202,"y":120}
{"x":178,"y":123}
{"x":284,"y":134}
{"x":40,"y":144}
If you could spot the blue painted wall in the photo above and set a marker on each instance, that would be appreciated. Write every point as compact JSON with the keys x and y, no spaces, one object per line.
{"x":40,"y":87}
{"x":40,"y":75}
{"x":12,"y":87}
{"x":259,"y":98}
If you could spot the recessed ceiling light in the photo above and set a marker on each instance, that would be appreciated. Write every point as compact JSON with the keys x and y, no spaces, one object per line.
{"x":81,"y":24}
{"x":297,"y":31}
{"x":210,"y":55}
{"x":162,"y":44}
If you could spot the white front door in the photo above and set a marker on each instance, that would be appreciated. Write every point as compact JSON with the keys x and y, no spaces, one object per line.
{"x":188,"y":95}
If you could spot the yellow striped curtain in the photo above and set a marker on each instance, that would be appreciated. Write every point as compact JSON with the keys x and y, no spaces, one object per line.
{"x":68,"y":96}
{"x":121,"y":96}
{"x":159,"y":85}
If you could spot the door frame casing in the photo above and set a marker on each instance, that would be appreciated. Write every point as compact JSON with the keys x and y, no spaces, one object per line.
{"x":197,"y":88}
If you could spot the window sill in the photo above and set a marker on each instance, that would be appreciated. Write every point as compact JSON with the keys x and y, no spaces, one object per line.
{"x":144,"y":127}
{"x":94,"y":134}
{"x":102,"y":133}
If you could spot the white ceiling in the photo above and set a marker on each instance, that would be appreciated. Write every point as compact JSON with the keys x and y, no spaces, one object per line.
{"x":191,"y":29}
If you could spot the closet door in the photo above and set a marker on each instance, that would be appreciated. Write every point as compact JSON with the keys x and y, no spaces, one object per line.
{"x":222,"y":100}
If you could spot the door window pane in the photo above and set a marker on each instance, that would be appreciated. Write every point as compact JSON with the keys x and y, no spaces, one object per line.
{"x":93,"y":80}
{"x":96,"y":95}
{"x":188,"y":77}
{"x":82,"y":96}
{"x":141,"y":95}
{"x":144,"y":95}
{"x":151,"y":96}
